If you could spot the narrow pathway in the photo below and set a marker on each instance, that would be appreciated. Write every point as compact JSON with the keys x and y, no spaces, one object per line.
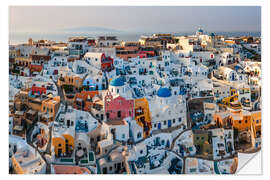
{"x":174,"y":140}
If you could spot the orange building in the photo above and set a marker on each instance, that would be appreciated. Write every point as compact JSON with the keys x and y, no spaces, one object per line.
{"x":222,"y":119}
{"x":16,"y":166}
{"x":51,"y":106}
{"x":256,"y":120}
{"x":142,"y":115}
{"x":241,"y":121}
{"x":83,"y":100}
{"x":249,"y":121}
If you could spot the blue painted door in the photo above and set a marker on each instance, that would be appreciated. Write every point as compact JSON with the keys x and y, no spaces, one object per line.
{"x":159,"y":125}
{"x":233,"y":76}
{"x":169,"y":123}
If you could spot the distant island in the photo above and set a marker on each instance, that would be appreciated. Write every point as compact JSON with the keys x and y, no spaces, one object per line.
{"x":92,"y":29}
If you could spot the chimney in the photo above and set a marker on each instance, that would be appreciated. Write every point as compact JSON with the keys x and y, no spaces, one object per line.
{"x":30,"y":41}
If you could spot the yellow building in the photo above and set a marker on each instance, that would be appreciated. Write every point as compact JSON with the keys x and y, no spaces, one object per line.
{"x":232,"y":102}
{"x":142,"y":115}
{"x":12,"y":53}
{"x":23,"y":61}
{"x":229,"y":41}
{"x":63,"y":144}
{"x":59,"y":145}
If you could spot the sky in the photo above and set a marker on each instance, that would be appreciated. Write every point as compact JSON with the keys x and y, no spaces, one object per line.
{"x":135,"y":19}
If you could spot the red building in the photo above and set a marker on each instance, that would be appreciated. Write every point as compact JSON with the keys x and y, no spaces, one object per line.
{"x":118,"y":108}
{"x":35,"y":68}
{"x":39,"y":90}
{"x":40,"y":59}
{"x":99,"y":60}
{"x":106,"y":63}
{"x":149,"y":51}
{"x":91,"y":42}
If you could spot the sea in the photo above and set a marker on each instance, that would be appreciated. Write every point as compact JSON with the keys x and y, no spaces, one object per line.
{"x":22,"y":37}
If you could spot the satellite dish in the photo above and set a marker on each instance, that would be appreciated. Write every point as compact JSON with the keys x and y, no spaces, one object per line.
{"x":50,"y":95}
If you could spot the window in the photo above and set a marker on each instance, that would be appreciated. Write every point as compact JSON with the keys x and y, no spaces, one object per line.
{"x":162,"y":142}
{"x":118,"y":114}
{"x":173,"y":120}
{"x":123,"y":136}
{"x":165,"y":122}
{"x":180,"y":119}
{"x":155,"y":125}
{"x":104,"y":170}
{"x":139,"y":135}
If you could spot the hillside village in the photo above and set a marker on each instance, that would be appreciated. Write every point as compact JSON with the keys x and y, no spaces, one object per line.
{"x":164,"y":104}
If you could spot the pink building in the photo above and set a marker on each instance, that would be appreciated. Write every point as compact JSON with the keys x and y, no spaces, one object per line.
{"x":118,"y":108}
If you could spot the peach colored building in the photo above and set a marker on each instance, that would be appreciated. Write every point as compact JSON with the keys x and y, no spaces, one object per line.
{"x":63,"y":169}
